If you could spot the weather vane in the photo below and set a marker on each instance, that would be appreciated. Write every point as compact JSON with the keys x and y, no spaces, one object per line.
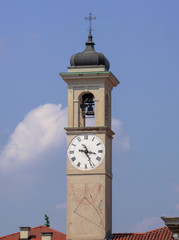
{"x":90,"y":18}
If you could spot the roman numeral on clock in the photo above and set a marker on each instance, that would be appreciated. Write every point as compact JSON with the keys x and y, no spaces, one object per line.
{"x":100,"y":151}
{"x":98,"y":158}
{"x":85,"y":137}
{"x":71,"y":152}
{"x":78,"y":164}
{"x":98,"y":144}
{"x":73,"y":159}
{"x":79,"y":139}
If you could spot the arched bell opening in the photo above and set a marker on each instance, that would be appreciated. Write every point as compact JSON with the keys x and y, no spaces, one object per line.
{"x":87,"y":109}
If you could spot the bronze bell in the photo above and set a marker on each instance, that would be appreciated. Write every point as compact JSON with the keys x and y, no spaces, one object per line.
{"x":87,"y":105}
{"x":90,"y":111}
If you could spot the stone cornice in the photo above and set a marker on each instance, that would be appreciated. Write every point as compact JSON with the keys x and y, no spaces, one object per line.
{"x":83,"y":77}
{"x":94,"y":130}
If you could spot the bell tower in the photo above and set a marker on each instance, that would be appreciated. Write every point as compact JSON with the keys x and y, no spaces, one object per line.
{"x":89,"y":145}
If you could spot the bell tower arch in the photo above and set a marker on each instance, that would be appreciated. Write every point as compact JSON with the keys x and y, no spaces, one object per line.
{"x":87,"y":108}
{"x":89,"y":148}
{"x":85,"y":85}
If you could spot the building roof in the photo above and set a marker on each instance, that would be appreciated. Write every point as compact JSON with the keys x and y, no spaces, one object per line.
{"x":35,"y":233}
{"x":89,"y":57}
{"x":157,"y":234}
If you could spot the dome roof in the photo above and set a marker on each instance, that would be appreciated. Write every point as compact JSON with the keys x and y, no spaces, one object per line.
{"x":89,"y":57}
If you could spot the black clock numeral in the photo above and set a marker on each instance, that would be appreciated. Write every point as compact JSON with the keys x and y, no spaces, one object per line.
{"x":74,"y":145}
{"x":78,"y":164}
{"x":93,"y":138}
{"x":85,"y":137}
{"x":85,"y":166}
{"x":73,"y":159}
{"x":98,"y":158}
{"x":79,"y":139}
{"x":71,"y":152}
{"x":98,"y":144}
{"x":100,"y":151}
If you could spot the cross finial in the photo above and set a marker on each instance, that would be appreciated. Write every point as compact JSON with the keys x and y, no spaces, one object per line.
{"x":90,"y":18}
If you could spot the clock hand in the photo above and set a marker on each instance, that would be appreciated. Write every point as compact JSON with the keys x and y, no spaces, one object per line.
{"x":86,"y":152}
{"x":85,"y":147}
{"x":81,"y":150}
{"x":89,"y":159}
{"x":91,"y":152}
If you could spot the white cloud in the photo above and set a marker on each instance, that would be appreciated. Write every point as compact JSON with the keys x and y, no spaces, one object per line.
{"x":41,"y":130}
{"x":121,"y":139}
{"x":148,"y":224}
{"x":60,"y":206}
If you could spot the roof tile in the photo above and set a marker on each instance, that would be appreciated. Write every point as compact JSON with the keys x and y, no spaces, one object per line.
{"x":35,"y":233}
{"x":157,"y":234}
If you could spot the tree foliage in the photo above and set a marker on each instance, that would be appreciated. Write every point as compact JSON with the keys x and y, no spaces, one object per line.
{"x":47,"y":222}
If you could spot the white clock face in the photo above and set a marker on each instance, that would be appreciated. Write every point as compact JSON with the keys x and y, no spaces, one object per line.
{"x":86,"y":151}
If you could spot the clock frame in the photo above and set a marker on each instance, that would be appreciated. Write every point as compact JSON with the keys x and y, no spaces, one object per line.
{"x":86,"y":152}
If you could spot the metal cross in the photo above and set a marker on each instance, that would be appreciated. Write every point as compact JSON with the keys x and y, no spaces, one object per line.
{"x":90,"y":18}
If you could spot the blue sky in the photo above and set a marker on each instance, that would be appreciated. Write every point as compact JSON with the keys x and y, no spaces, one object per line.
{"x":140,"y":39}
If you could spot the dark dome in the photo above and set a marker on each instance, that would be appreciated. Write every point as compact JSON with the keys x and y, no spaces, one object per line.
{"x":89,"y":57}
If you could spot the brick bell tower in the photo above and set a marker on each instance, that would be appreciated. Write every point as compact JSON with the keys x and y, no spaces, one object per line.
{"x":89,"y":144}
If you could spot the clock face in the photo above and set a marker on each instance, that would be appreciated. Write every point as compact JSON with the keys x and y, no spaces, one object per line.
{"x":86,"y":151}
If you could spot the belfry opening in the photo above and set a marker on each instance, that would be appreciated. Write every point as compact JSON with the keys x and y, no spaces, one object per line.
{"x":87,"y":106}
